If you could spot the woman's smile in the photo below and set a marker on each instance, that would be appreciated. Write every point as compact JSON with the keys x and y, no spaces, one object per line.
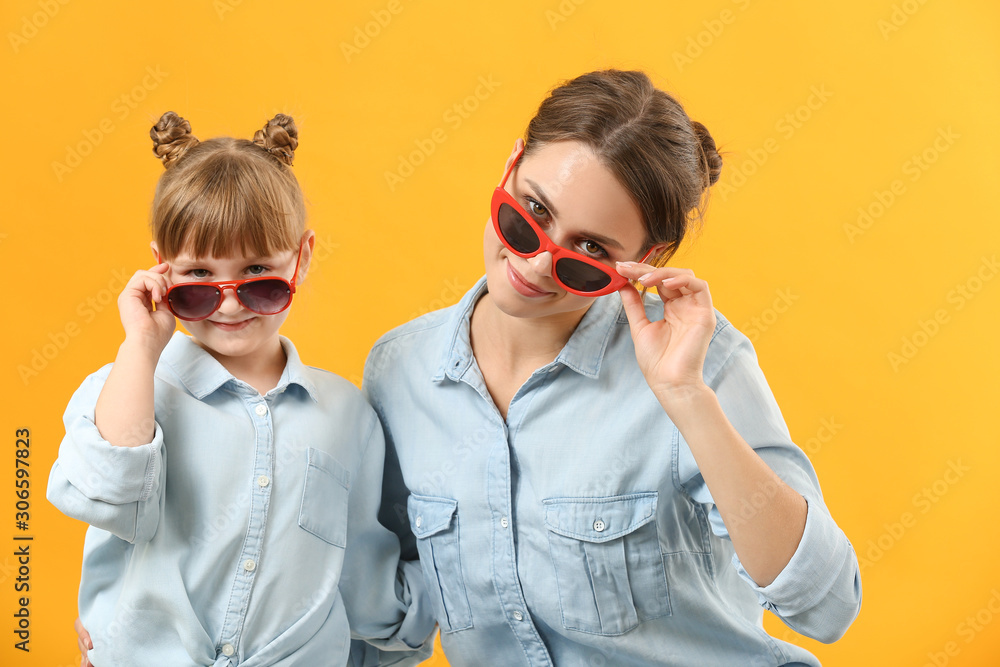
{"x":522,"y":285}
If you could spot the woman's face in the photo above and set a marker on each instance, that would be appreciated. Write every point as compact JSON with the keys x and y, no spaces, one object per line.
{"x":581,"y":206}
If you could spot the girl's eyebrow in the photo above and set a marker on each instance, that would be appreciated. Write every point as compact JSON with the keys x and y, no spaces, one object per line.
{"x":600,"y":238}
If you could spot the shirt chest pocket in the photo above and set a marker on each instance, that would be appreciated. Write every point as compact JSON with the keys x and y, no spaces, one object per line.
{"x":323,"y":511}
{"x":434,"y":522}
{"x":607,"y":560}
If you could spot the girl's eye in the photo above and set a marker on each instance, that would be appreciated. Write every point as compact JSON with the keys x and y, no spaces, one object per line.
{"x":199,"y":273}
{"x":256,"y":270}
{"x":592,"y":249}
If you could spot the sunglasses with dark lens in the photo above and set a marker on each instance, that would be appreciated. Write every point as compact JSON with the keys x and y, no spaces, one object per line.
{"x":264,"y":295}
{"x":573,"y":271}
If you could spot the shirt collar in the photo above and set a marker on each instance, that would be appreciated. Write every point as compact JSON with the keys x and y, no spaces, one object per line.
{"x":583,"y":353}
{"x":202,"y":374}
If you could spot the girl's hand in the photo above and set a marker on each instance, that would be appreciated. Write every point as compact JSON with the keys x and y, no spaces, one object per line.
{"x":671,"y":352}
{"x":83,"y":641}
{"x":142,"y":324}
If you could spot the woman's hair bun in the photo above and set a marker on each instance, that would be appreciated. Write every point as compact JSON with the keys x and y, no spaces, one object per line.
{"x":171,"y":138}
{"x":279,"y":137}
{"x":710,"y":154}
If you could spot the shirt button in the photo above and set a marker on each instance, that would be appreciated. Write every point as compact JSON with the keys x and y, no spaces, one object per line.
{"x":261,"y":409}
{"x":263,"y":481}
{"x":249,"y":565}
{"x":227,"y":649}
{"x":504,"y":522}
{"x":518,"y":616}
{"x":418,"y":521}
{"x":599,"y":526}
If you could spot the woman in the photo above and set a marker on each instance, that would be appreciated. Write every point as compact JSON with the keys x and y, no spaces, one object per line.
{"x":590,"y":475}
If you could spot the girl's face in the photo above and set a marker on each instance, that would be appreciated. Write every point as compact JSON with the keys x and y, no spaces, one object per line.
{"x":581,"y":206}
{"x":232,"y":331}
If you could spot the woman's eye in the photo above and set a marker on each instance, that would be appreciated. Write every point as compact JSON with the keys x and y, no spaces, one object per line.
{"x":537,"y":209}
{"x":256,"y":270}
{"x":593,"y":249}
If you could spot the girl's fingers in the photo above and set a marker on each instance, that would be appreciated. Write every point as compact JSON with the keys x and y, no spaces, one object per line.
{"x":152,"y":282}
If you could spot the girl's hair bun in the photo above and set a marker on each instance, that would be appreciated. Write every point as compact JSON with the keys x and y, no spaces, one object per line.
{"x":712,"y":161}
{"x":172,"y":138}
{"x":279,"y":137}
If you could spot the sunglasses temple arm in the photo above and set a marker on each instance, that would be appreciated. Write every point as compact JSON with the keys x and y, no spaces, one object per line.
{"x":295,"y":274}
{"x":510,"y":169}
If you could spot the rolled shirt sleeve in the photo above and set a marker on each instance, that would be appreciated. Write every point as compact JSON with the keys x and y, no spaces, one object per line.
{"x":818,"y":593}
{"x":116,"y":489}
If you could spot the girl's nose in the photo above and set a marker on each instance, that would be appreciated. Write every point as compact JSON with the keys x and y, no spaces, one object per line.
{"x":230,"y":304}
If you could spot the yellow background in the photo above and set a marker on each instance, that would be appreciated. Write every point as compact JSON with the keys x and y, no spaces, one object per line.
{"x":820,"y":107}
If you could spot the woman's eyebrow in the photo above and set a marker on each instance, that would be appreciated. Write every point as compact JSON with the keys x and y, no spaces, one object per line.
{"x":542,"y":196}
{"x":600,"y":238}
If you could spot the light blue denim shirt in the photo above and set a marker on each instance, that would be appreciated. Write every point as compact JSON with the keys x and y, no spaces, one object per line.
{"x":246,"y":532}
{"x":579,"y":531}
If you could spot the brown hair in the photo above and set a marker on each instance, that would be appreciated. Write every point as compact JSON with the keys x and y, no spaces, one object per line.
{"x":642,"y":135}
{"x":223,"y":196}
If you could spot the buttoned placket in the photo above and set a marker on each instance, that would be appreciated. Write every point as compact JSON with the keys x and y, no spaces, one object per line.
{"x":260,"y":493}
{"x":503,"y":552}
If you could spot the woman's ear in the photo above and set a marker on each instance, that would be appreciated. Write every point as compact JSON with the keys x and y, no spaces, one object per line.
{"x":518,"y":147}
{"x":656,"y":251}
{"x":308,"y":242}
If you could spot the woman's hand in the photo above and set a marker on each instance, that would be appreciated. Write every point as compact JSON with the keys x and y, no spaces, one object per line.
{"x":83,"y":641}
{"x":142,"y":323}
{"x":671,"y":352}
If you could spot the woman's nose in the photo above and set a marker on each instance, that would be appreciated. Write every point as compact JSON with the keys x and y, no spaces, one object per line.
{"x":542,"y":263}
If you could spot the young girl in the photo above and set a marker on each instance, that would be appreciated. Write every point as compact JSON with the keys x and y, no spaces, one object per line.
{"x":594,"y":476}
{"x":232,"y":491}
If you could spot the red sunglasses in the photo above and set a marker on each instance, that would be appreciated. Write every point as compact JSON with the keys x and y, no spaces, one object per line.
{"x":264,"y":295}
{"x":573,"y":271}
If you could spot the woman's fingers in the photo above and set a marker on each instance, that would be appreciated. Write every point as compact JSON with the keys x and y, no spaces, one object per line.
{"x":634,"y":309}
{"x":670,"y":282}
{"x":83,"y":642}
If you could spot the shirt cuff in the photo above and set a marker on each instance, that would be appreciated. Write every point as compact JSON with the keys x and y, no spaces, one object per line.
{"x":102,"y":471}
{"x":812,"y":570}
